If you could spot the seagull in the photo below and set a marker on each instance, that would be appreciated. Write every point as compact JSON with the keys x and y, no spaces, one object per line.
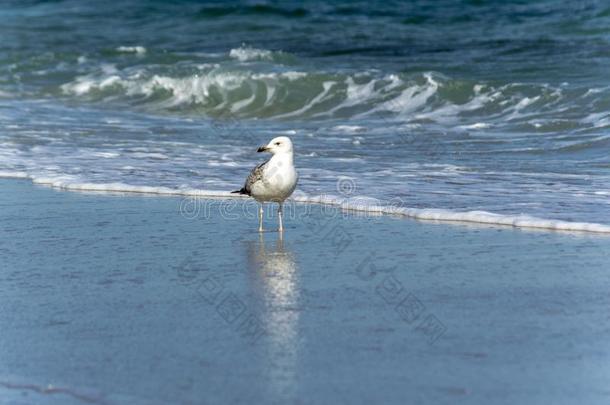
{"x":273,"y":180}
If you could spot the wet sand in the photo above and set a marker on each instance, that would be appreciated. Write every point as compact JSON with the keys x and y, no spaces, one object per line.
{"x":114,"y":299}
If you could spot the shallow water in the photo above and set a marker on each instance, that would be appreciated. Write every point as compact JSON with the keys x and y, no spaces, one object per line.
{"x":110,"y":300}
{"x":454,"y":105}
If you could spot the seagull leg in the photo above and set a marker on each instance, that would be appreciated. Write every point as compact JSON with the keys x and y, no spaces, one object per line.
{"x":279,"y":215}
{"x":260,"y":218}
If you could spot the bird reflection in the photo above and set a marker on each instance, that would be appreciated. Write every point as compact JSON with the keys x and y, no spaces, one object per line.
{"x":275,"y":271}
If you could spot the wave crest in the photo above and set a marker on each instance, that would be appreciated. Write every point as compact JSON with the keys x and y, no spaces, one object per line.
{"x":217,"y":91}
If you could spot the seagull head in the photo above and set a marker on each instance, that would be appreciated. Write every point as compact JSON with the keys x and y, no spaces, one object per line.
{"x":281,"y":144}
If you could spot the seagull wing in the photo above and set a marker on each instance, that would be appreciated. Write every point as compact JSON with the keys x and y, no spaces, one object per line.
{"x":255,"y":175}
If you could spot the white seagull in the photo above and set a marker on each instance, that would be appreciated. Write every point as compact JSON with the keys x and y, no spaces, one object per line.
{"x":274,"y":180}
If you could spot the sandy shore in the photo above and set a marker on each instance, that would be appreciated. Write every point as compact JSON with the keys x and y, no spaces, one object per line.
{"x":137,"y":299}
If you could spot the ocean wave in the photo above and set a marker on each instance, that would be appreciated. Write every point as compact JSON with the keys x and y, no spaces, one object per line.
{"x":254,"y":82}
{"x":139,"y":50}
{"x":218,"y":91}
{"x":244,"y":54}
{"x":357,"y":204}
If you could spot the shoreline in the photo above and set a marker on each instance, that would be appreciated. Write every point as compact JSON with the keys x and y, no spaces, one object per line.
{"x":395,"y":207}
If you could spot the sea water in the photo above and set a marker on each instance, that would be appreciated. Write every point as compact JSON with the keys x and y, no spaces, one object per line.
{"x":460,"y":110}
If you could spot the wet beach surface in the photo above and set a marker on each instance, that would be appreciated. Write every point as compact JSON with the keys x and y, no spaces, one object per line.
{"x":116,"y":299}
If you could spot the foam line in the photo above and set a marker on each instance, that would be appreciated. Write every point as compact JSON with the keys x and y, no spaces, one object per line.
{"x":359,"y":204}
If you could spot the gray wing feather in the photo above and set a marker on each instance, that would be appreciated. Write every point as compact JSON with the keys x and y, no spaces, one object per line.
{"x":255,"y":175}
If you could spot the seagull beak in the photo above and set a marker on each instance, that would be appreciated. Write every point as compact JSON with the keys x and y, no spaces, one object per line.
{"x":262,"y":149}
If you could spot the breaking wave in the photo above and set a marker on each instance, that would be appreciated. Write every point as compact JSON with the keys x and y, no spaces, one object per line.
{"x":215,"y":91}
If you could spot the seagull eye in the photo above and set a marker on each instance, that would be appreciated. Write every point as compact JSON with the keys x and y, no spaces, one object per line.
{"x":277,"y":143}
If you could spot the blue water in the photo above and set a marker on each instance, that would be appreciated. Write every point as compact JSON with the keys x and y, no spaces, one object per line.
{"x":462,"y":106}
{"x":459,"y":105}
{"x":117,"y":301}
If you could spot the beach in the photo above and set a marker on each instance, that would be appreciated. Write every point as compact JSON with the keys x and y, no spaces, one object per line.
{"x":447,"y":232}
{"x":127,"y":298}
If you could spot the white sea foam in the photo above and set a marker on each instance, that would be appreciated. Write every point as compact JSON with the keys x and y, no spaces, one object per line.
{"x":598,"y":120}
{"x":477,"y":125}
{"x":356,"y":94}
{"x":360,"y":95}
{"x":349,"y":129}
{"x":290,"y":75}
{"x":194,"y":89}
{"x":105,"y":155}
{"x":244,"y":54}
{"x":448,"y":112}
{"x":357,"y":204}
{"x":9,"y":174}
{"x":413,"y":97}
{"x":139,"y":50}
{"x":481,"y":217}
{"x":517,"y":109}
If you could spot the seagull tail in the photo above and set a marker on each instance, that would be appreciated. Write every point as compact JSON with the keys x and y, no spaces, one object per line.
{"x":240,"y":191}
